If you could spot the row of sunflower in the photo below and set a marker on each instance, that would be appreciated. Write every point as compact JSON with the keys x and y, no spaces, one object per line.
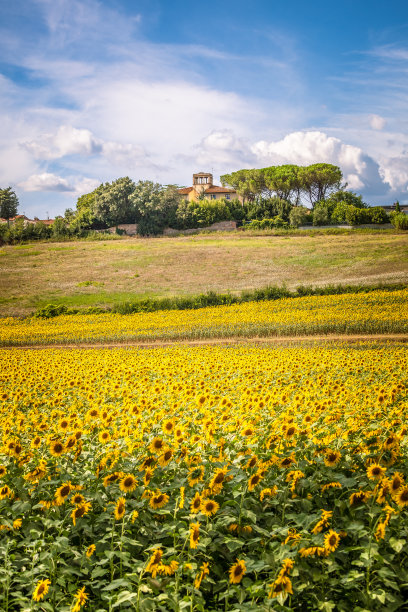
{"x":233,"y":478}
{"x":373,"y":312}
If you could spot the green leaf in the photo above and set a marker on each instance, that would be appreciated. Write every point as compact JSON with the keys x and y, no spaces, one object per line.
{"x":124,"y":596}
{"x":115,"y":584}
{"x":397,"y":545}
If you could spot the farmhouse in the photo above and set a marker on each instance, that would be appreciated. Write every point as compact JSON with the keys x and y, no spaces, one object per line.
{"x":203,"y":187}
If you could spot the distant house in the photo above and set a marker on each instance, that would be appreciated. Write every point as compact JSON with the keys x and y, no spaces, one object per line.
{"x":392,"y":207}
{"x":203,"y":187}
{"x":26,"y":221}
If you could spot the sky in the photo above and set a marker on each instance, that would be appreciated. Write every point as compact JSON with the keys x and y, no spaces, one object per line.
{"x":93,"y":90}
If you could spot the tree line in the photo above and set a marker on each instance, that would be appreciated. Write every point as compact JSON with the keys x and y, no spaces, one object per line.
{"x":271,"y":197}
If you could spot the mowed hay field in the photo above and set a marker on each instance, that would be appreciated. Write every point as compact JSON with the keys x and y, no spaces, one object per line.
{"x":106,"y":272}
{"x":204,"y":479}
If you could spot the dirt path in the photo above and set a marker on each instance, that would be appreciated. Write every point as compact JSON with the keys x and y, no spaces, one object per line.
{"x":228,"y":341}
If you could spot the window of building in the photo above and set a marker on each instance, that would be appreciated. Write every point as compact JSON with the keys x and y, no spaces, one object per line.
{"x":227,"y":196}
{"x":213,"y":196}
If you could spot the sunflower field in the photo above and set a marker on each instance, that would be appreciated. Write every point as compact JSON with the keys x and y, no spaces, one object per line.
{"x":204,"y":478}
{"x":374,"y":312}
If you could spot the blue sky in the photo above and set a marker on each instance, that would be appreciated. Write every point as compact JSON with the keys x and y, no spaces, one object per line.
{"x":153,"y":89}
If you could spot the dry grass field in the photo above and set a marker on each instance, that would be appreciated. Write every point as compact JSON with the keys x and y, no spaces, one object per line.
{"x":104,"y":272}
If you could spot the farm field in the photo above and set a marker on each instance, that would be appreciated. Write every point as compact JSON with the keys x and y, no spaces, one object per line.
{"x":107,"y":272}
{"x":212,"y":478}
{"x":375,"y":312}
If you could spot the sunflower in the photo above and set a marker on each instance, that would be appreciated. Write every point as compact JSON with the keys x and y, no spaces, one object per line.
{"x":90,"y":550}
{"x":154,"y":562}
{"x":156,"y":446}
{"x":331,"y":540}
{"x":286,"y":462}
{"x":401,"y":497}
{"x":237,"y":571}
{"x":195,"y":475}
{"x":290,"y":432}
{"x":158,"y":500}
{"x":194,"y":534}
{"x":17,"y":523}
{"x":70,"y":443}
{"x":120,"y":508}
{"x":204,"y":571}
{"x":196,"y":503}
{"x":209,"y":507}
{"x":254,"y":480}
{"x":375,"y":471}
{"x":396,"y":482}
{"x":148,"y":476}
{"x":111,"y":478}
{"x":41,"y":589}
{"x":147,"y":463}
{"x":252,"y":462}
{"x":358,"y":498}
{"x":332,"y":458}
{"x":57,"y":448}
{"x":168,"y":570}
{"x":77,"y":499}
{"x":104,"y":436}
{"x":3,"y":471}
{"x":168,"y":426}
{"x":62,"y":493}
{"x":80,"y":511}
{"x":218,"y":479}
{"x":128,"y":483}
{"x":166,"y":457}
{"x":35,"y":442}
{"x":280,"y":586}
{"x":80,"y":599}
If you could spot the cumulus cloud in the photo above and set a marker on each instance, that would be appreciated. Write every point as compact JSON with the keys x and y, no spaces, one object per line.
{"x":305,"y":148}
{"x":48,"y":181}
{"x":395,"y":172}
{"x":222,"y":148}
{"x":68,"y":140}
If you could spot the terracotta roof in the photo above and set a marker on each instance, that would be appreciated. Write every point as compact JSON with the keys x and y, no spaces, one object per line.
{"x":216,"y":189}
{"x":185,"y":190}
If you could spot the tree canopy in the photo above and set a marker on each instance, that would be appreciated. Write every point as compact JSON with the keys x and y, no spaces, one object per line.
{"x":8,"y":203}
{"x":288,"y":182}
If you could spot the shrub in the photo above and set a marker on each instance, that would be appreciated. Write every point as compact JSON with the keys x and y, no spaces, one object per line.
{"x":299,"y":215}
{"x":357,"y":216}
{"x":400,"y":221}
{"x":321,"y":214}
{"x":378,"y":215}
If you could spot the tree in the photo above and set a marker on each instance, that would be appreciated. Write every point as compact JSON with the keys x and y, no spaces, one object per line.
{"x":319,"y":180}
{"x":248,"y":183}
{"x":8,"y":204}
{"x":283,"y":181}
{"x":112,"y":203}
{"x":154,"y":206}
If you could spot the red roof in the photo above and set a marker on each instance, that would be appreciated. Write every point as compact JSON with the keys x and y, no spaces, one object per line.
{"x":185,"y":190}
{"x":216,"y":189}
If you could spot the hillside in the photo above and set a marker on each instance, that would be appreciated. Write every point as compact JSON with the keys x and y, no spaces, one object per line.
{"x":105,"y":272}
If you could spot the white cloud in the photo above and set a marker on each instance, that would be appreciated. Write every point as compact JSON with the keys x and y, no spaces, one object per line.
{"x":68,"y":140}
{"x":223,"y":149}
{"x":395,"y":172}
{"x":377,"y":122}
{"x":51,"y":182}
{"x":304,"y":148}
